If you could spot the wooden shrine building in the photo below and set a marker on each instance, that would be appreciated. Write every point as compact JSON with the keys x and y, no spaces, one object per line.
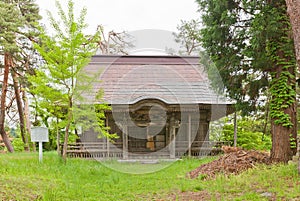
{"x":161,"y":107}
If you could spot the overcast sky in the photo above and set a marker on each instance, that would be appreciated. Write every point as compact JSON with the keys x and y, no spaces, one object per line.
{"x":161,"y":17}
{"x":131,"y":15}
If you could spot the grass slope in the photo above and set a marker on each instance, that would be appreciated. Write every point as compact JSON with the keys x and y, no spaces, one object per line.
{"x":22,"y":177}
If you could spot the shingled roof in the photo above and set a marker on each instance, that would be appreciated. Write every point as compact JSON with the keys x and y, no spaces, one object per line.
{"x":171,"y":79}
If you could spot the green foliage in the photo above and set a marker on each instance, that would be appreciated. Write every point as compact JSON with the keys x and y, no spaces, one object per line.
{"x":253,"y":132}
{"x":249,"y":134}
{"x":280,"y":51}
{"x":224,"y":38}
{"x":188,"y":37}
{"x":61,"y":85}
{"x":18,"y":144}
{"x":100,"y":114}
{"x":250,"y":44}
{"x":247,"y":139}
{"x":246,"y":46}
{"x":293,"y":142}
{"x":284,"y":96}
{"x":18,"y":21}
{"x":18,"y":27}
{"x":10,"y":20}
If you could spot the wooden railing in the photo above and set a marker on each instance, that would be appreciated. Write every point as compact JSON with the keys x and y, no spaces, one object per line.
{"x":114,"y":150}
{"x":199,"y":148}
{"x":94,"y":150}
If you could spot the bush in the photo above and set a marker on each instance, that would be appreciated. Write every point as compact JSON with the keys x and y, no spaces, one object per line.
{"x":18,"y":144}
{"x":247,"y":136}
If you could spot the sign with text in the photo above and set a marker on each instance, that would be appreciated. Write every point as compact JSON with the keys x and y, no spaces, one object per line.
{"x":39,"y":134}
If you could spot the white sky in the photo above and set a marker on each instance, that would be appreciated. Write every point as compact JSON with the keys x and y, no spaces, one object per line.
{"x":151,"y":22}
{"x":130,"y":15}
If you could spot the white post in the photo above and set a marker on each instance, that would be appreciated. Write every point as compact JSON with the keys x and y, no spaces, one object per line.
{"x":40,"y":135}
{"x":40,"y":151}
{"x":235,"y":130}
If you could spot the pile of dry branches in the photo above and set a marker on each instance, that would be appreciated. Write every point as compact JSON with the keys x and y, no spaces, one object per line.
{"x":234,"y":161}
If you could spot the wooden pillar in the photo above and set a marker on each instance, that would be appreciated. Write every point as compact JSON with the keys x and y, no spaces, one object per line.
{"x":189,"y":135}
{"x":125,"y":141}
{"x":172,"y":136}
{"x":107,"y":146}
{"x":107,"y":139}
{"x":172,"y":143}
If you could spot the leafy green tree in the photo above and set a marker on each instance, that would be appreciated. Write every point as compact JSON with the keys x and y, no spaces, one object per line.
{"x":18,"y":22}
{"x":61,"y":84}
{"x":250,"y":44}
{"x":188,"y":37}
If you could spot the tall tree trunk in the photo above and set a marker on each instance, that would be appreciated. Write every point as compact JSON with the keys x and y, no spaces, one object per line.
{"x":293,"y":10}
{"x":65,"y":146}
{"x":7,"y":65}
{"x":27,"y":120}
{"x":283,"y":89}
{"x":281,"y":150}
{"x":284,"y":136}
{"x":267,"y":113}
{"x":70,"y":116}
{"x":20,"y":109}
{"x":294,"y":133}
{"x":57,"y":137}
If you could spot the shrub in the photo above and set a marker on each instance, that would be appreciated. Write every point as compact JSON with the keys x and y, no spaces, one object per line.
{"x":18,"y":144}
{"x":247,"y":136}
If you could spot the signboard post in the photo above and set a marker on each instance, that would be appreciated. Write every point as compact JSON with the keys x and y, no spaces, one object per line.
{"x":40,"y":135}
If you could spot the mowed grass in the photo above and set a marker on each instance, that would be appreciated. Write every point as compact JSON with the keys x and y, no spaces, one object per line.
{"x":22,"y":177}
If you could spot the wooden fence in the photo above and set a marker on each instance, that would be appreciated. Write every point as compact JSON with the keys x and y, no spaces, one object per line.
{"x":114,"y":150}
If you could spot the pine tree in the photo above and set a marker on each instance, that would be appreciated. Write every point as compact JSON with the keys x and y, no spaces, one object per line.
{"x":250,"y":44}
{"x":18,"y":22}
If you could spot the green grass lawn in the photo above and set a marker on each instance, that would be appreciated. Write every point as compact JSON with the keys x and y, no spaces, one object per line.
{"x":22,"y":177}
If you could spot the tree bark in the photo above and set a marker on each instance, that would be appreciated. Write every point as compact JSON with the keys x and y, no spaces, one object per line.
{"x":27,"y":121}
{"x":293,"y":10}
{"x":65,"y":147}
{"x":283,"y":137}
{"x":281,"y":150}
{"x":20,"y":109}
{"x":7,"y":65}
{"x":66,"y":139}
{"x":57,"y":137}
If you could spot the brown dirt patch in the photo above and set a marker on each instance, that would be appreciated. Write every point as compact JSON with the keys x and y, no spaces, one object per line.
{"x":234,"y":161}
{"x":188,"y":196}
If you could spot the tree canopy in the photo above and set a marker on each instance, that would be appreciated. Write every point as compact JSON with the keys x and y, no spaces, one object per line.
{"x":60,"y":84}
{"x":250,"y":44}
{"x":18,"y":22}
